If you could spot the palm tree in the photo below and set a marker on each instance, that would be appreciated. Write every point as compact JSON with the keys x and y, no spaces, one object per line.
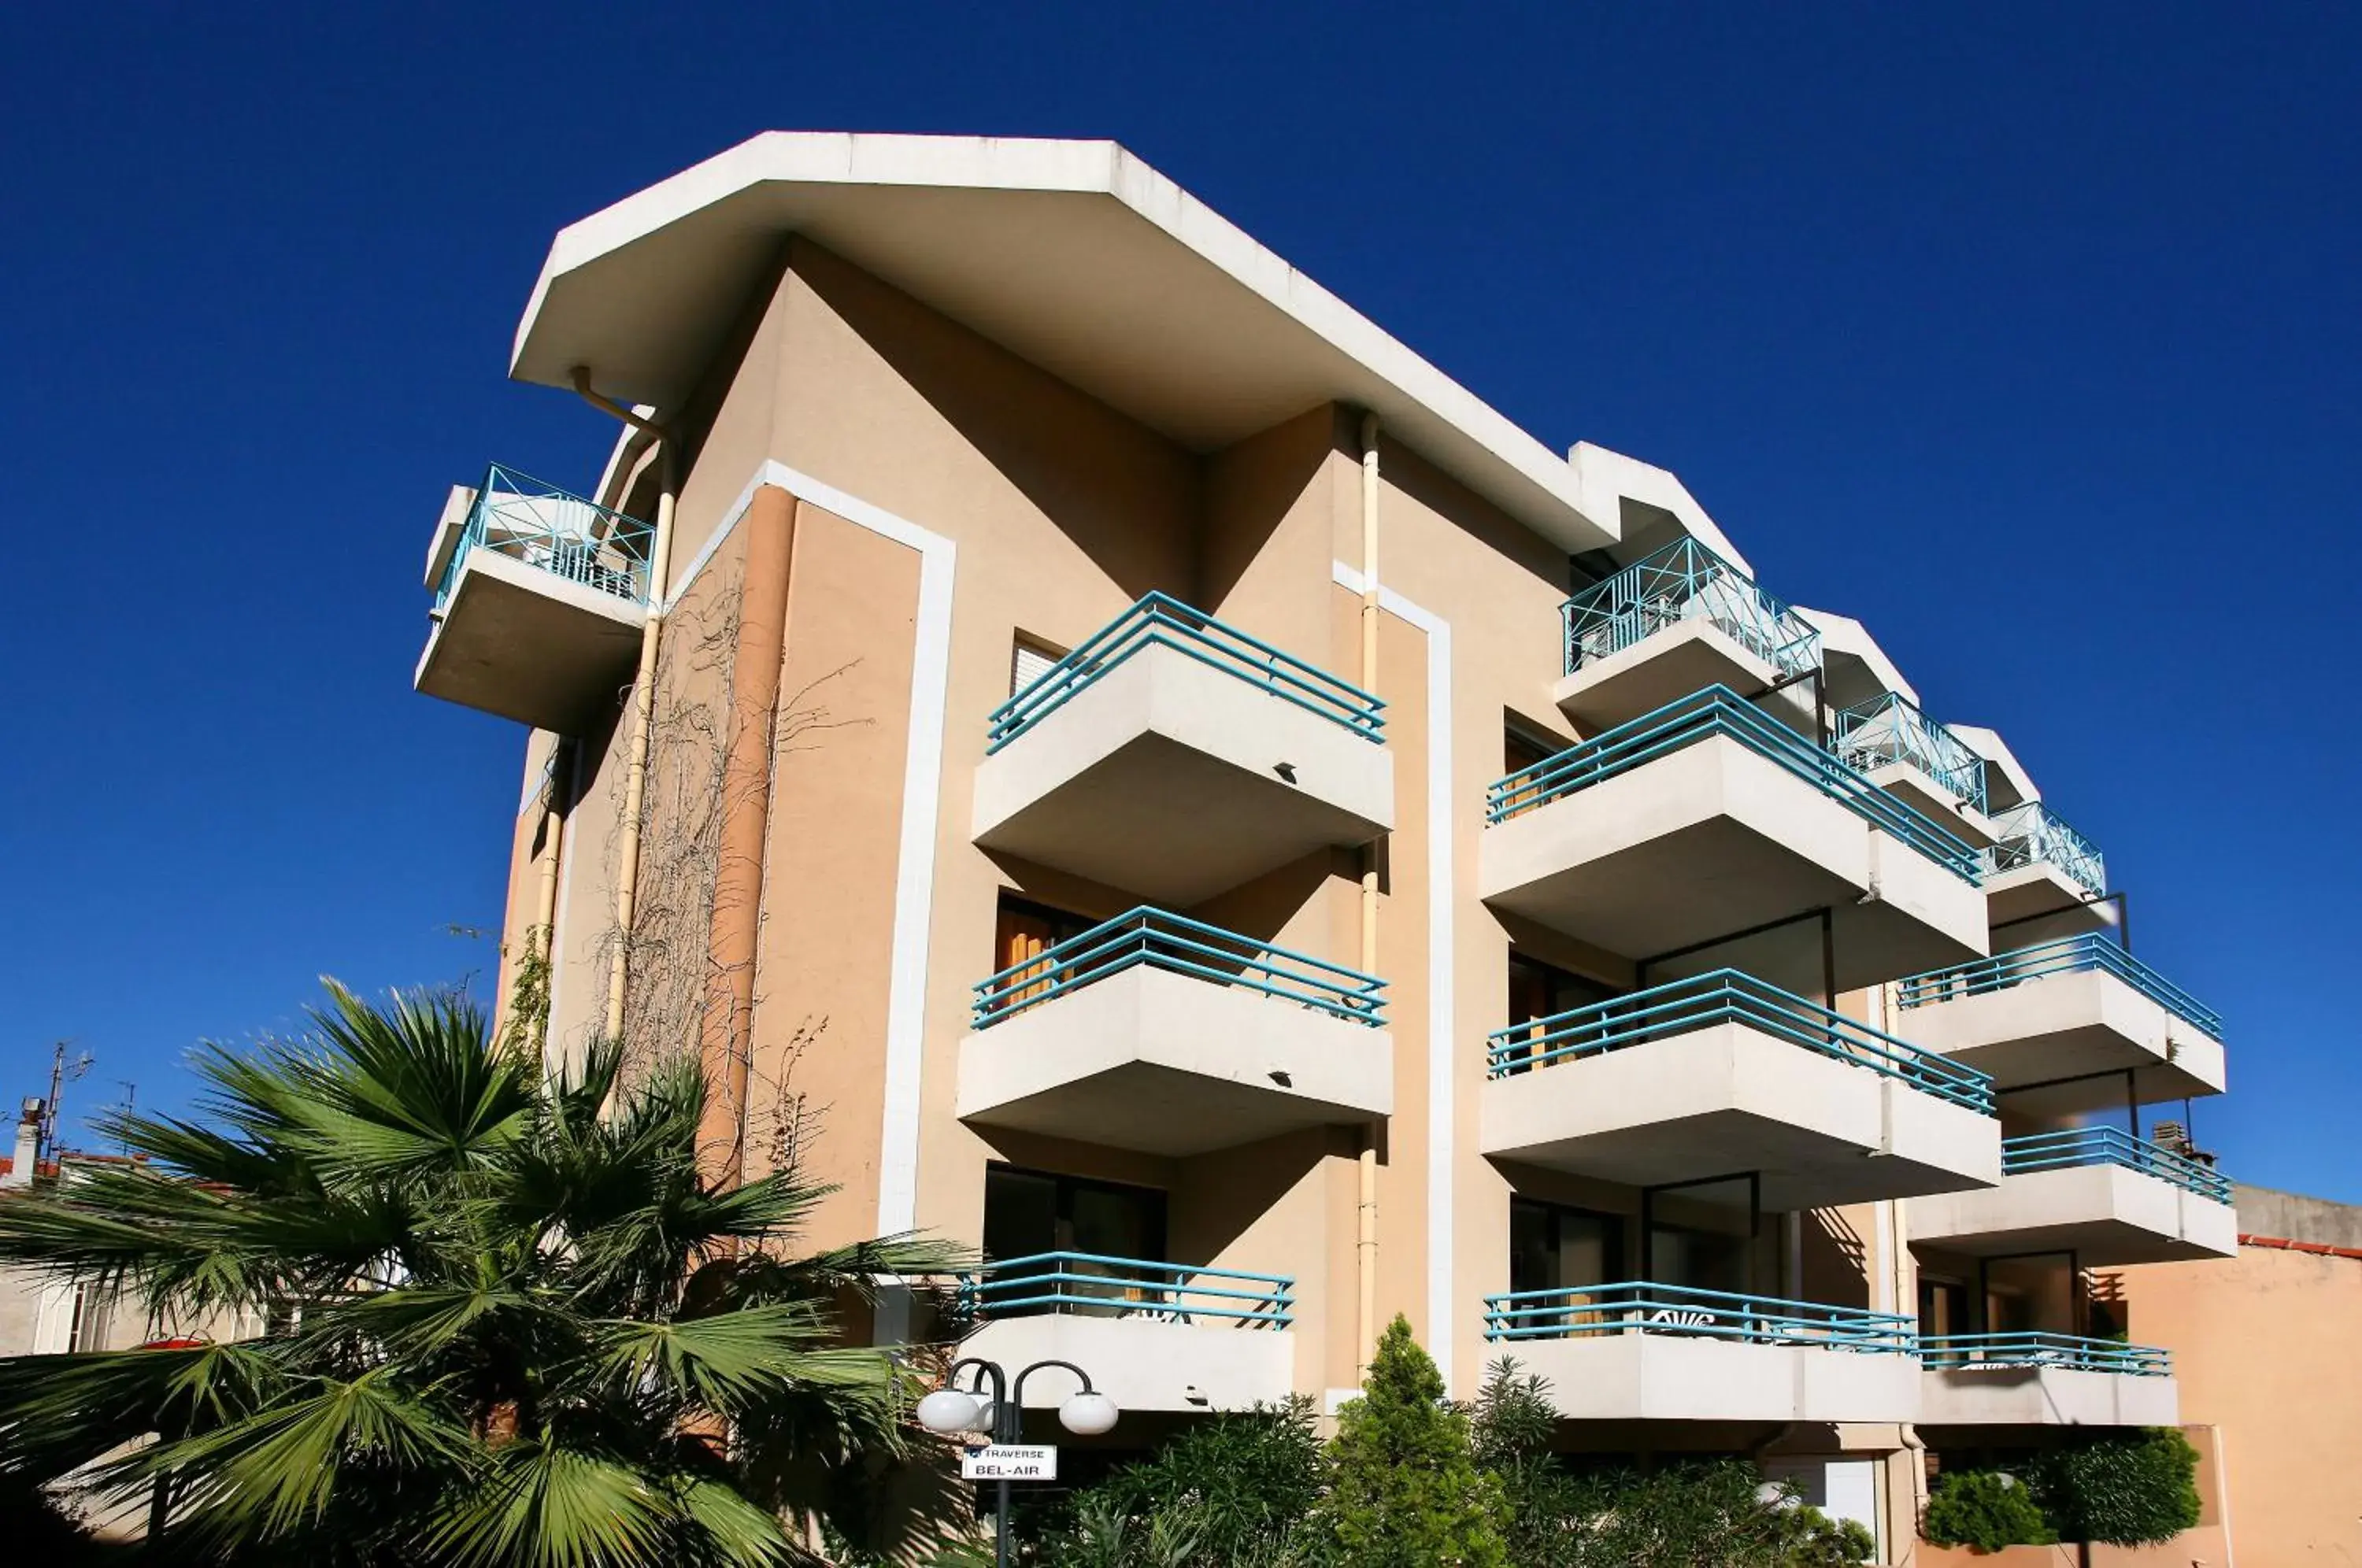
{"x":526,"y":1329}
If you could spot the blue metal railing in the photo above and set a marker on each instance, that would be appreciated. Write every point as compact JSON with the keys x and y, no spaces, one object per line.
{"x":1641,"y":1308}
{"x":1091,"y":1284}
{"x":1890,"y":728}
{"x":1728,"y":996}
{"x":2068,"y":955}
{"x":1162,"y":620}
{"x":2032,"y":832}
{"x":1163,"y":940}
{"x":1700,"y":716}
{"x":542,"y":525}
{"x":1684,"y":582}
{"x":2069,"y":1146}
{"x":1950,"y":1352}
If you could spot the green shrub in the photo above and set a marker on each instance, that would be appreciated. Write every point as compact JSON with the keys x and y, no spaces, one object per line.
{"x":1405,"y":1491}
{"x":2123,"y":1490}
{"x":1985,"y":1508}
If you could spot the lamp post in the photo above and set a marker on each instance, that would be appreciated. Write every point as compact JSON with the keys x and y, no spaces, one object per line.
{"x":951,"y":1411}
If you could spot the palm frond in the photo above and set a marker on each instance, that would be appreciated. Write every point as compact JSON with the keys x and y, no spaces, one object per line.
{"x":536,"y":1504}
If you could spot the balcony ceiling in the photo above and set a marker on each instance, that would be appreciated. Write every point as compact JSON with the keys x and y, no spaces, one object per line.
{"x":1075,"y":255}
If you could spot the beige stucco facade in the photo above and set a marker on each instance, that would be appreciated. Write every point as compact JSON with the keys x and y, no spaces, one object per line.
{"x":965,"y":473}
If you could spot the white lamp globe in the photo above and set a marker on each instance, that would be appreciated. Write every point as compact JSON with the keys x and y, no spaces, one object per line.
{"x":1087,"y":1414}
{"x":948,"y":1410}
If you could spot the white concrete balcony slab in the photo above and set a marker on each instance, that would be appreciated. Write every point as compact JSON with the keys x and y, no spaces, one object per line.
{"x":540,"y":602}
{"x":1641,"y":1351}
{"x":1675,"y":622}
{"x":1721,"y":1073}
{"x":2045,"y":1380}
{"x":2038,"y":866}
{"x":2060,"y":1025}
{"x":1156,"y":1337}
{"x":2098,"y":1192}
{"x":1706,"y":820}
{"x":1168,"y":1036}
{"x":1176,"y":756}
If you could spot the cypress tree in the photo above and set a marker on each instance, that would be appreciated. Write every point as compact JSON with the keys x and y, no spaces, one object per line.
{"x":1404,"y":1488}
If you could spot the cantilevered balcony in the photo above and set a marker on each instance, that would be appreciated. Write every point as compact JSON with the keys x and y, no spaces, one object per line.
{"x":2036,"y":864}
{"x":2067,"y":1027}
{"x":2099,"y":1192}
{"x":1903,"y":751}
{"x":1705,"y":819}
{"x":1157,"y":1336}
{"x":1642,"y":1351}
{"x":2044,"y":1380}
{"x":540,"y":597}
{"x":1176,"y":757}
{"x":1722,"y":1073}
{"x":1165,"y":1035}
{"x":1675,"y":622}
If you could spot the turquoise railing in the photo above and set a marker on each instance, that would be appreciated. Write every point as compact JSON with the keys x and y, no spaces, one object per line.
{"x":520,"y":517}
{"x":1641,"y":1308}
{"x":1701,"y":716}
{"x":2033,"y":832}
{"x":2068,"y":955}
{"x":1093,"y":1285}
{"x":1890,"y":728}
{"x":1950,"y":1352}
{"x":1163,"y":940}
{"x":1161,"y":621}
{"x":1684,"y":582}
{"x":1727,"y":996}
{"x":2069,"y":1146}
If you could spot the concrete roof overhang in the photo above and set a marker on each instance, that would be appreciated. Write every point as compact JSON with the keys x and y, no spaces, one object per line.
{"x":1075,"y":255}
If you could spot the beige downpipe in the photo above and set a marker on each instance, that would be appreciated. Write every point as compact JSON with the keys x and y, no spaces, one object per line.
{"x":543,"y":939}
{"x":644,"y":693}
{"x":1366,"y":1252}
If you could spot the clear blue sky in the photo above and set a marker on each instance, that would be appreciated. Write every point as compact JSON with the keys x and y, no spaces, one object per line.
{"x":2028,"y":334}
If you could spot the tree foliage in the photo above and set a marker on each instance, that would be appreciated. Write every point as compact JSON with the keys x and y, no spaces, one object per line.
{"x":1405,"y":1490}
{"x":2125,"y":1490}
{"x":1985,"y":1508}
{"x":527,"y":1329}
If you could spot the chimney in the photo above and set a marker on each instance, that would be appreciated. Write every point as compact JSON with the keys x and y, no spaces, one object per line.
{"x":28,"y":1146}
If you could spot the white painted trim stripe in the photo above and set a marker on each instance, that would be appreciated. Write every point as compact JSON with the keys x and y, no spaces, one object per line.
{"x":923,"y":778}
{"x":1442,"y":966}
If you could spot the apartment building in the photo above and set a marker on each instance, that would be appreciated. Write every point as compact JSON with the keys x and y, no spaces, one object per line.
{"x":1117,"y":760}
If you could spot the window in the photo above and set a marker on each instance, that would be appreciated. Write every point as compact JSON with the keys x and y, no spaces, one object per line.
{"x":1553,"y":1247}
{"x":1538,"y":990}
{"x":1943,"y":1306}
{"x":1030,"y":1213}
{"x":84,"y":1332}
{"x":1025,"y":931}
{"x":1029,"y":660}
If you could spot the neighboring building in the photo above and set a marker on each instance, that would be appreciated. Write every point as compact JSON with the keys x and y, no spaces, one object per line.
{"x":1184,"y":796}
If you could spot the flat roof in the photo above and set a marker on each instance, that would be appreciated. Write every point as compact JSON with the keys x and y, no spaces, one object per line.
{"x":1075,"y":255}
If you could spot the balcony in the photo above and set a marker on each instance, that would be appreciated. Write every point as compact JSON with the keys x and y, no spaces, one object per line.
{"x":1157,"y":1336}
{"x":1722,"y":1073}
{"x":2099,"y":1192}
{"x":1675,"y":622}
{"x":540,"y":599}
{"x":1642,"y":1351}
{"x":2056,"y":1024}
{"x":1162,"y":1034}
{"x":1176,"y":756}
{"x":1705,"y":819}
{"x":1903,"y":751}
{"x":2036,"y":864}
{"x":2044,"y":1380}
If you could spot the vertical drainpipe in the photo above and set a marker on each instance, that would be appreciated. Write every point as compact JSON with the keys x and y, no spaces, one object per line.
{"x":1903,"y":1534}
{"x":644,"y":693}
{"x":1366,"y":1252}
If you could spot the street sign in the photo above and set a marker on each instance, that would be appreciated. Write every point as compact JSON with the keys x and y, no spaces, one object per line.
{"x":1008,"y":1461}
